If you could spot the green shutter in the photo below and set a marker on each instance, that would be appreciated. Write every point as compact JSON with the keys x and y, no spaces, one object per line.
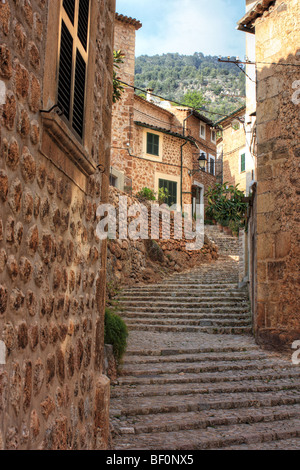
{"x":243,"y":162}
{"x":153,"y":144}
{"x":171,"y":187}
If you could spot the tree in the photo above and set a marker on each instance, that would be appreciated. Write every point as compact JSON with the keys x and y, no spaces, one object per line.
{"x":194,"y":99}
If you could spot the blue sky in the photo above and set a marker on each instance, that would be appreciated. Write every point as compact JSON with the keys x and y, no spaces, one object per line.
{"x":187,"y":26}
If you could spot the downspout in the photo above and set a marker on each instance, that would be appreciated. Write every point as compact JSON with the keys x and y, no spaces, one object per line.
{"x":181,"y":155}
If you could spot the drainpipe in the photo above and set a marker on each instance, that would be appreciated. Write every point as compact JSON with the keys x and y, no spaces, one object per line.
{"x":181,"y":156}
{"x":181,"y":171}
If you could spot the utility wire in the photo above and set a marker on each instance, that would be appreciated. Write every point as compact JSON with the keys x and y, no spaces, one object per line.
{"x":176,"y":102}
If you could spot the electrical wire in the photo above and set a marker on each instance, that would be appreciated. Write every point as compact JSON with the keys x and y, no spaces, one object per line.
{"x":172,"y":101}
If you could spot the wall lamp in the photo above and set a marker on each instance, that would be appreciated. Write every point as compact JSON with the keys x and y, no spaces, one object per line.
{"x":202,"y":163}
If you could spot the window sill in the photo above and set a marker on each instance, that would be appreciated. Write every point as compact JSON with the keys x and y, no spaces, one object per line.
{"x":59,"y":132}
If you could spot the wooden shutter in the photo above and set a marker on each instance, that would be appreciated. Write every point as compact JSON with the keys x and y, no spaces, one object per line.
{"x":69,"y":6}
{"x":153,"y":144}
{"x":171,"y":187}
{"x":243,"y":162}
{"x":79,"y":94}
{"x":65,"y":71}
{"x":83,"y":21}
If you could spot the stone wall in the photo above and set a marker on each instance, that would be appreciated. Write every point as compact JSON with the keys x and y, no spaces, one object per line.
{"x":278,"y":223}
{"x":144,"y":261}
{"x":52,"y":267}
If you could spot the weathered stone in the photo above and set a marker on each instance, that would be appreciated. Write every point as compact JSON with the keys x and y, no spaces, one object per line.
{"x":28,"y":166}
{"x":12,"y":267}
{"x":33,"y":239}
{"x":34,"y":55}
{"x":31,"y":303}
{"x":28,"y":206}
{"x":27,"y":391}
{"x":9,"y":111}
{"x":34,"y":94}
{"x":38,"y":377}
{"x":22,"y":336}
{"x":3,"y":299}
{"x":3,"y":185}
{"x":15,"y":195}
{"x":47,"y":407}
{"x":13,"y":154}
{"x":20,"y":39}
{"x":5,"y":62}
{"x":24,"y":124}
{"x":34,"y":424}
{"x":21,"y":81}
{"x":33,"y":336}
{"x":25,"y":268}
{"x":16,"y":300}
{"x":15,"y":388}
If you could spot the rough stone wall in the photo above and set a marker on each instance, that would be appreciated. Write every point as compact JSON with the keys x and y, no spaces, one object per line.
{"x":122,"y":115}
{"x":145,"y":261}
{"x":277,"y":41}
{"x":52,"y":267}
{"x":234,"y":142}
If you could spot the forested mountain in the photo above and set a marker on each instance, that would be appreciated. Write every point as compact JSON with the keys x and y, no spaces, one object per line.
{"x":197,"y":78}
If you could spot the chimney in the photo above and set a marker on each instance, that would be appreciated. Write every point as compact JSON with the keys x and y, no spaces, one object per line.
{"x":149,"y":94}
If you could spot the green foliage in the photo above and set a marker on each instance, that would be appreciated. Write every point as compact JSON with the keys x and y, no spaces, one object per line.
{"x":225,"y":205}
{"x":195,"y":99}
{"x":115,"y":333}
{"x":163,"y":195}
{"x":174,"y":75}
{"x":146,"y":194}
{"x":118,"y":89}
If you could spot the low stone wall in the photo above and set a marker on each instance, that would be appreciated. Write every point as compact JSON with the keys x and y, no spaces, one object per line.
{"x":131,"y":262}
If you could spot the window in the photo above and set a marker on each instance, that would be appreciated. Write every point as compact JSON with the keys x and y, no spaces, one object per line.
{"x":243,"y":162}
{"x":171,"y":187}
{"x":211,"y":165}
{"x":153,"y":144}
{"x":202,"y":131}
{"x":73,"y":60}
{"x":213,"y":136}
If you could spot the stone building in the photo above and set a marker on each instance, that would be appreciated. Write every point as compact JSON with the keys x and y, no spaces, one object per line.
{"x":56,"y":63}
{"x":238,"y":161}
{"x":154,"y":144}
{"x":274,"y":221}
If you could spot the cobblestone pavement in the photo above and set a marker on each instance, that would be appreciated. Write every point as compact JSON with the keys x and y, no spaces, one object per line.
{"x":193,"y":377}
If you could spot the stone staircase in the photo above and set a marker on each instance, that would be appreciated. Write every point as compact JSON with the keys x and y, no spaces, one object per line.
{"x":185,"y":384}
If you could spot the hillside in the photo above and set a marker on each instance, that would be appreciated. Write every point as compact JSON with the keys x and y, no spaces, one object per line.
{"x":219,"y":86}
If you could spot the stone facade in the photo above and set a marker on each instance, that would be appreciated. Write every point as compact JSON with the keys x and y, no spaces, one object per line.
{"x":276,"y":308}
{"x":233,"y":147}
{"x":53,"y":394}
{"x":131,"y":167}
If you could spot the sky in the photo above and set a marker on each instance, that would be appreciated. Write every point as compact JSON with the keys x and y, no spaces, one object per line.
{"x":187,"y":26}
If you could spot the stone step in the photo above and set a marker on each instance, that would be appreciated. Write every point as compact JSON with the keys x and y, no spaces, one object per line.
{"x":194,"y":287}
{"x":203,"y":388}
{"x":236,"y":363}
{"x":190,"y":351}
{"x":213,"y":301}
{"x":196,"y":357}
{"x":292,"y":443}
{"x":170,"y":422}
{"x":218,"y":323}
{"x":161,"y":297}
{"x":185,"y":316}
{"x":254,"y":373}
{"x":187,"y":310}
{"x":213,"y":438}
{"x":213,"y":330}
{"x":212,"y":401}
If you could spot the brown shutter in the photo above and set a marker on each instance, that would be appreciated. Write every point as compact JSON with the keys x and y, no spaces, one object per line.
{"x":65,"y":71}
{"x":79,"y":94}
{"x":83,"y":20}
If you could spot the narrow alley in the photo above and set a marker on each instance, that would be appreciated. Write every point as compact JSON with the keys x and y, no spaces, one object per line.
{"x":193,"y":377}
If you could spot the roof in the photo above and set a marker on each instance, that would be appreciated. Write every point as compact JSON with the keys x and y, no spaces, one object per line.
{"x":236,"y":113}
{"x":127,"y":19}
{"x":247,"y":22}
{"x":198,"y":115}
{"x":165,"y":131}
{"x":156,"y":106}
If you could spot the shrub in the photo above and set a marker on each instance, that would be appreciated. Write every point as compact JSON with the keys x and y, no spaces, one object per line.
{"x":115,"y":333}
{"x":146,"y":194}
{"x":225,"y":205}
